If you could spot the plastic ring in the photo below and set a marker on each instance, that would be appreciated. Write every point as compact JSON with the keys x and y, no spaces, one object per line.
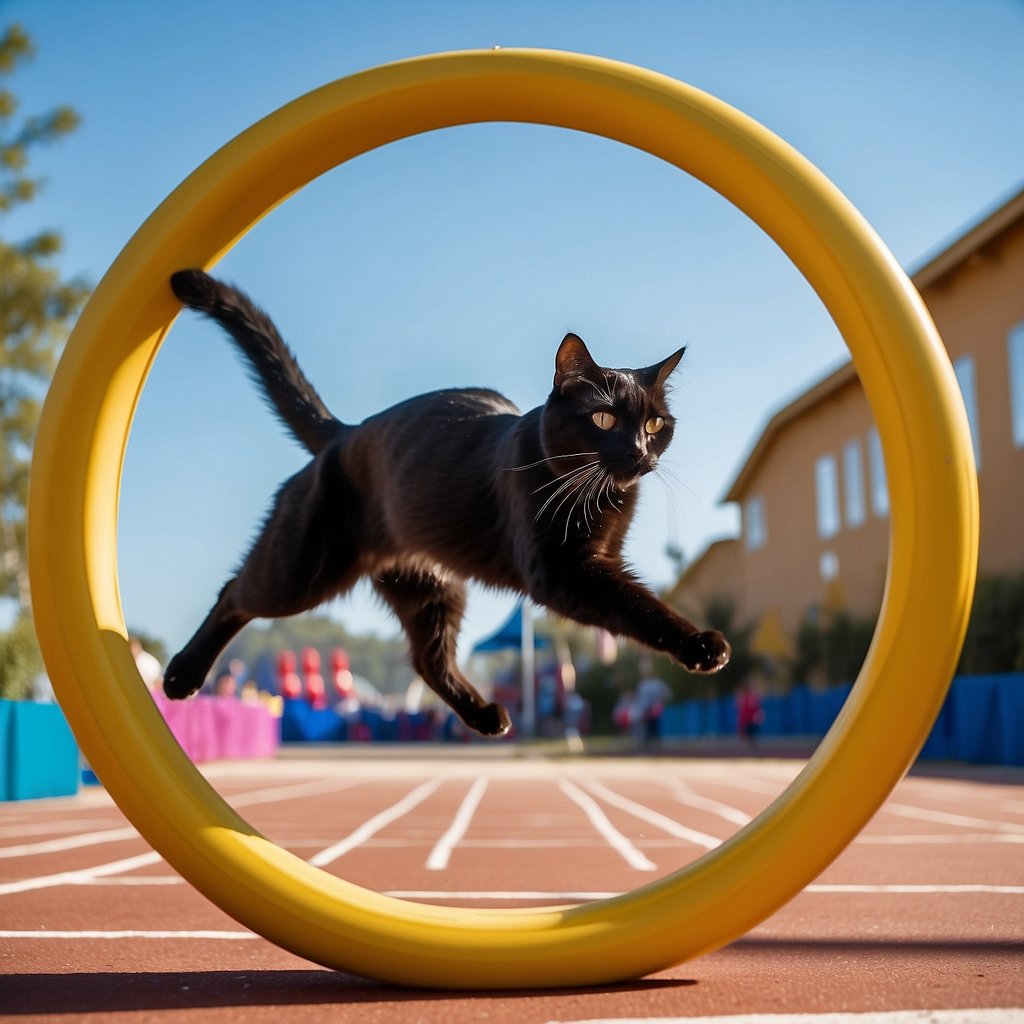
{"x":912,"y":392}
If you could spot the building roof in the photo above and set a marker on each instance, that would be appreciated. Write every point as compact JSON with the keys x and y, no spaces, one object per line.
{"x":971,"y":241}
{"x":951,"y":256}
{"x":705,"y":555}
{"x":807,"y":400}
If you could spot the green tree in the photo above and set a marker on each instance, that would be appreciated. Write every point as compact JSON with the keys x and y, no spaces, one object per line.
{"x":831,"y":648}
{"x":36,"y":309}
{"x":995,"y":634}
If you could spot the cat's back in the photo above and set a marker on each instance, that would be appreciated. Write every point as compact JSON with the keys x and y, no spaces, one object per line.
{"x":440,"y":421}
{"x":449,"y":406}
{"x":455,"y":432}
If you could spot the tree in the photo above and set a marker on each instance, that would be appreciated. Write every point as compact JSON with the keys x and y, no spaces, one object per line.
{"x":995,"y":635}
{"x":36,"y":309}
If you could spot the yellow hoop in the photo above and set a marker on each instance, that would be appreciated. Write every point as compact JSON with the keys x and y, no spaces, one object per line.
{"x":909,"y":383}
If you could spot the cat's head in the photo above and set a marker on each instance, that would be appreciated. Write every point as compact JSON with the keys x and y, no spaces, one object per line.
{"x":618,"y":417}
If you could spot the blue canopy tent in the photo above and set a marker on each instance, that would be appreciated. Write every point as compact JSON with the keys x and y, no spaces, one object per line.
{"x":510,"y":636}
{"x":517,"y":633}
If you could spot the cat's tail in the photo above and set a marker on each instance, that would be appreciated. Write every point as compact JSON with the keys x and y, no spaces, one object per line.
{"x":273,"y":365}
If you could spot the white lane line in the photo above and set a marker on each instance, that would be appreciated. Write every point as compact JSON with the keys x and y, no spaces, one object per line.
{"x":273,"y":794}
{"x":61,"y":826}
{"x":375,"y":824}
{"x":615,"y":839}
{"x":939,"y":839}
{"x":134,"y":880}
{"x":997,"y":1016}
{"x":749,"y":784}
{"x":672,"y":827}
{"x":436,"y":894}
{"x":820,"y":889}
{"x":112,"y":835}
{"x":915,"y":890}
{"x":128,"y":934}
{"x":684,"y":795}
{"x":83,"y":876}
{"x":946,"y":818}
{"x":442,"y":851}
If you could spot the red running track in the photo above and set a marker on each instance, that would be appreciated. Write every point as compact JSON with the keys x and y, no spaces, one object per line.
{"x":923,"y":912}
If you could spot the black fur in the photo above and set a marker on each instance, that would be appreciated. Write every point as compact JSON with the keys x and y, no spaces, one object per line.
{"x":445,"y":487}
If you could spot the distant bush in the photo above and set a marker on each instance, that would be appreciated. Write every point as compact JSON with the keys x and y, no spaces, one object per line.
{"x":831,"y":649}
{"x":995,"y":633}
{"x":20,"y":660}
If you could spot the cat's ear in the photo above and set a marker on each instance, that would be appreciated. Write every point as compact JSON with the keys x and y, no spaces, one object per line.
{"x":656,"y":375}
{"x":572,"y":360}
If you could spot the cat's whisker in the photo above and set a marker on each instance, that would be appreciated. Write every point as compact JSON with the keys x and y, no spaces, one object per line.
{"x":569,"y":514}
{"x":594,"y":495}
{"x":670,"y":493}
{"x":562,"y":476}
{"x":580,"y":483}
{"x":549,"y":458}
{"x":603,"y":393}
{"x":678,"y":479}
{"x":587,"y":493}
{"x":569,"y":482}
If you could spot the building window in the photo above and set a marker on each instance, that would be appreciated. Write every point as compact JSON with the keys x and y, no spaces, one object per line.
{"x":879,"y":484}
{"x":753,"y":524}
{"x":853,"y":483}
{"x":1016,"y":360}
{"x":827,"y":485}
{"x":828,"y":566}
{"x":964,"y":370}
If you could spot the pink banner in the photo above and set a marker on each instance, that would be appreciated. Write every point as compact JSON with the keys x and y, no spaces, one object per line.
{"x":221,"y":728}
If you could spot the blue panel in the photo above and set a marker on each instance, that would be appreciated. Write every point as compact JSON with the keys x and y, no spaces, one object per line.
{"x":1010,"y":715}
{"x":43,"y":755}
{"x":975,"y":725}
{"x":6,"y":740}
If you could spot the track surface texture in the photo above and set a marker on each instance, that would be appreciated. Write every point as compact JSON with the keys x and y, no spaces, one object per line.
{"x":920,"y":919}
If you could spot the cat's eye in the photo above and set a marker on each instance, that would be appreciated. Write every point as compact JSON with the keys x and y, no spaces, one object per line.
{"x":654,"y":424}
{"x":605,"y":420}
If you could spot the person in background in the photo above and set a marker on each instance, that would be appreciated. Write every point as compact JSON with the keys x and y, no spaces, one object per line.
{"x":652,"y":694}
{"x":225,"y":685}
{"x":749,"y":713}
{"x":149,"y":668}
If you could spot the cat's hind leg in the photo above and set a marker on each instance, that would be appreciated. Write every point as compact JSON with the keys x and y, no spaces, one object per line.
{"x":306,"y":553}
{"x":430,"y":606}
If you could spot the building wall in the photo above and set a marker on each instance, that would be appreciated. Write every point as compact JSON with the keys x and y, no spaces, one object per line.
{"x":799,"y":569}
{"x":975,"y":308}
{"x":785,"y":565}
{"x":718,"y":572}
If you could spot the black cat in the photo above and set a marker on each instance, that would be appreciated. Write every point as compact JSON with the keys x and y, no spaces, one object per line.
{"x":450,"y":486}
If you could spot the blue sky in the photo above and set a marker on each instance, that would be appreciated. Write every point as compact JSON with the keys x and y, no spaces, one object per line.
{"x":463,"y":256}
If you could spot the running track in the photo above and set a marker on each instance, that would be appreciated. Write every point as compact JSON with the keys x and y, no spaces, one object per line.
{"x":923,"y":912}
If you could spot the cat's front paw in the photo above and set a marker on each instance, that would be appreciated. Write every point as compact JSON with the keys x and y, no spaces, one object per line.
{"x":490,"y":720}
{"x":179,"y":680}
{"x":705,"y":652}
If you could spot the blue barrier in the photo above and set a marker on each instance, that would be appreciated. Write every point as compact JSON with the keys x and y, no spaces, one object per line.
{"x":6,"y":741}
{"x":39,"y":753}
{"x":981,"y":720}
{"x":301,"y":723}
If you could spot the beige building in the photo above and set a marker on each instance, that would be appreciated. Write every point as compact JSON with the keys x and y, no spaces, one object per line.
{"x":812,"y":493}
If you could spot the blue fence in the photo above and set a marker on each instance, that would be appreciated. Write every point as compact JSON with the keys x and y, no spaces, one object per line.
{"x":38,"y":754}
{"x":981,"y":721}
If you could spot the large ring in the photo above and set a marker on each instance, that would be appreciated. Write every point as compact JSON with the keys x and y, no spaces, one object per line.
{"x":912,"y":392}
